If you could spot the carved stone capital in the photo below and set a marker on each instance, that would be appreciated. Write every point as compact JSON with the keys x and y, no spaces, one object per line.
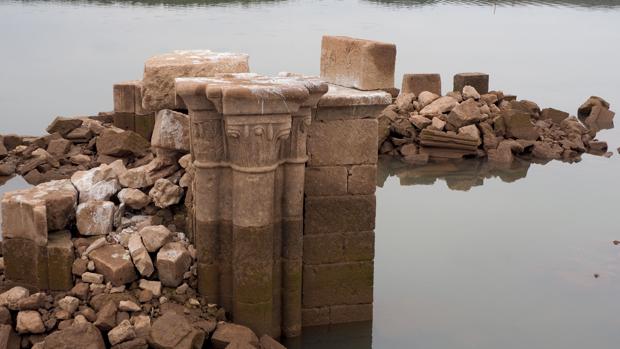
{"x":254,"y":142}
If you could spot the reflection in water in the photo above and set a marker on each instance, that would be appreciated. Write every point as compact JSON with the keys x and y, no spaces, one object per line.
{"x":356,"y":335}
{"x":459,"y":174}
{"x":399,"y":3}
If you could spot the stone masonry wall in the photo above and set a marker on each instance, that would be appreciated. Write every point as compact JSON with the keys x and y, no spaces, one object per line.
{"x":339,"y":214}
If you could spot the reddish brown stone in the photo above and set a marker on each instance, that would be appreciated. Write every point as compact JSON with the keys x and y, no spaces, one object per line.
{"x":416,"y":83}
{"x":114,"y":262}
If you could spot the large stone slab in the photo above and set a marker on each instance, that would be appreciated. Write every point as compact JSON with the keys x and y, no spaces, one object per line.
{"x":60,"y":259}
{"x":336,"y":214}
{"x":358,"y":63}
{"x":337,"y":284}
{"x":479,"y":81}
{"x":30,"y":213}
{"x":161,"y":70}
{"x":342,"y":142}
{"x":171,"y":131}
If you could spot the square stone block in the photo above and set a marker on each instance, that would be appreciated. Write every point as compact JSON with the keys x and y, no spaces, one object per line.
{"x":171,"y":131}
{"x":343,"y":142}
{"x":340,"y":314}
{"x":315,"y":316}
{"x":114,"y":262}
{"x":339,"y":214}
{"x":362,"y":179}
{"x":339,"y":247}
{"x":125,"y":121}
{"x":342,"y":103}
{"x":125,"y":96}
{"x":338,"y":284}
{"x":25,"y":263}
{"x":160,"y":72}
{"x":144,"y":125}
{"x":60,"y":259}
{"x":358,"y":63}
{"x":416,"y":83}
{"x":479,"y":81}
{"x":326,"y":180}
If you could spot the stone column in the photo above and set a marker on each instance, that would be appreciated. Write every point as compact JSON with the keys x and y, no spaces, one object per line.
{"x":252,"y":192}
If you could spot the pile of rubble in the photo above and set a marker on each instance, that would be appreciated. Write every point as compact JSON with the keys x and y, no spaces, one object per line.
{"x":475,"y":123}
{"x":108,"y":239}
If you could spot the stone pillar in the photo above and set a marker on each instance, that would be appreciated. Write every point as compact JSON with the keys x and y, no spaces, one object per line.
{"x":248,"y":144}
{"x":339,"y":214}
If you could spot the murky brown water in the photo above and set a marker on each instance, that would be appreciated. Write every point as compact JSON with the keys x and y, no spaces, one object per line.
{"x":505,"y":260}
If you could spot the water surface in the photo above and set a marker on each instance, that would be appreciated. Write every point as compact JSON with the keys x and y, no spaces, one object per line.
{"x":505,"y":261}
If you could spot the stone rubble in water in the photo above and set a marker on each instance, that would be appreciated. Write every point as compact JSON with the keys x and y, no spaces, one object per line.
{"x":468,"y":123}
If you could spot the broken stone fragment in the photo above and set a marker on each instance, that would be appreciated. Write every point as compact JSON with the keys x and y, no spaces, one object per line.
{"x":425,"y":98}
{"x":361,"y":64}
{"x":165,"y":193}
{"x":32,"y":302}
{"x":63,"y":125}
{"x":92,"y":278}
{"x":59,"y":147}
{"x":125,"y":143}
{"x":449,"y":140}
{"x":106,"y":316}
{"x":128,"y":306}
{"x":152,"y":286}
{"x":12,"y":297}
{"x":121,"y":333}
{"x":140,"y":255}
{"x":600,"y":118}
{"x":173,"y":260}
{"x":471,"y":131}
{"x":134,"y":198}
{"x":404,"y":102}
{"x":585,"y":109}
{"x":29,"y":321}
{"x":465,"y":113}
{"x":519,"y":125}
{"x":547,"y":151}
{"x":171,"y":131}
{"x":95,"y":217}
{"x":84,"y":336}
{"x":438,"y":124}
{"x":439,"y":106}
{"x":114,"y":262}
{"x":69,"y":304}
{"x":227,"y":333}
{"x":99,"y":183}
{"x":154,"y":237}
{"x":419,"y":121}
{"x":554,"y":115}
{"x":174,"y":331}
{"x":469,"y":92}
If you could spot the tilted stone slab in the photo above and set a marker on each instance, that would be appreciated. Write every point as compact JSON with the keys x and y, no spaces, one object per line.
{"x":30,"y":213}
{"x":114,"y":262}
{"x":161,"y":70}
{"x":358,"y":63}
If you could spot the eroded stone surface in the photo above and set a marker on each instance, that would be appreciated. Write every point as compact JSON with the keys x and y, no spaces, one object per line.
{"x":114,"y":262}
{"x":171,"y":131}
{"x":95,"y":217}
{"x":173,"y":260}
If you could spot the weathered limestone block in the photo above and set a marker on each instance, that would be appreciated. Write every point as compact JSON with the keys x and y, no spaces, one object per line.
{"x":30,"y":213}
{"x":173,"y":260}
{"x":154,"y":237}
{"x":342,"y":142}
{"x":171,"y":131}
{"x":165,"y":193}
{"x":63,"y":125}
{"x":125,"y":96}
{"x":85,"y":336}
{"x":140,"y":255}
{"x":160,"y":72}
{"x":99,"y":183}
{"x":119,"y":144}
{"x":60,"y":259}
{"x":417,"y":83}
{"x":357,"y":63}
{"x":554,"y":115}
{"x":134,"y":198}
{"x":336,"y":214}
{"x":519,"y":125}
{"x":174,"y":331}
{"x":341,"y":103}
{"x":326,"y":180}
{"x":25,"y":263}
{"x":338,"y":284}
{"x":29,"y":321}
{"x":227,"y":333}
{"x":362,"y":179}
{"x":464,"y":114}
{"x":114,"y":262}
{"x":479,"y":81}
{"x":95,"y":217}
{"x":338,"y":247}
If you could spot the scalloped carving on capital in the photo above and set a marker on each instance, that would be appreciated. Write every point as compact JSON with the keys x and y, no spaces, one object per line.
{"x":254,"y":143}
{"x":294,"y":148}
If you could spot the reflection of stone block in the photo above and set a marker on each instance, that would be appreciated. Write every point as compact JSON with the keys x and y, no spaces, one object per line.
{"x":160,"y":72}
{"x":416,"y":83}
{"x":479,"y":81}
{"x":362,"y":64}
{"x":326,"y":180}
{"x":335,"y":214}
{"x":343,"y":142}
{"x":338,"y":284}
{"x":60,"y":261}
{"x":25,"y":263}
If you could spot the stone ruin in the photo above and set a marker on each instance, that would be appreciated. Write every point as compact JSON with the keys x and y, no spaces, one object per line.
{"x":254,"y":199}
